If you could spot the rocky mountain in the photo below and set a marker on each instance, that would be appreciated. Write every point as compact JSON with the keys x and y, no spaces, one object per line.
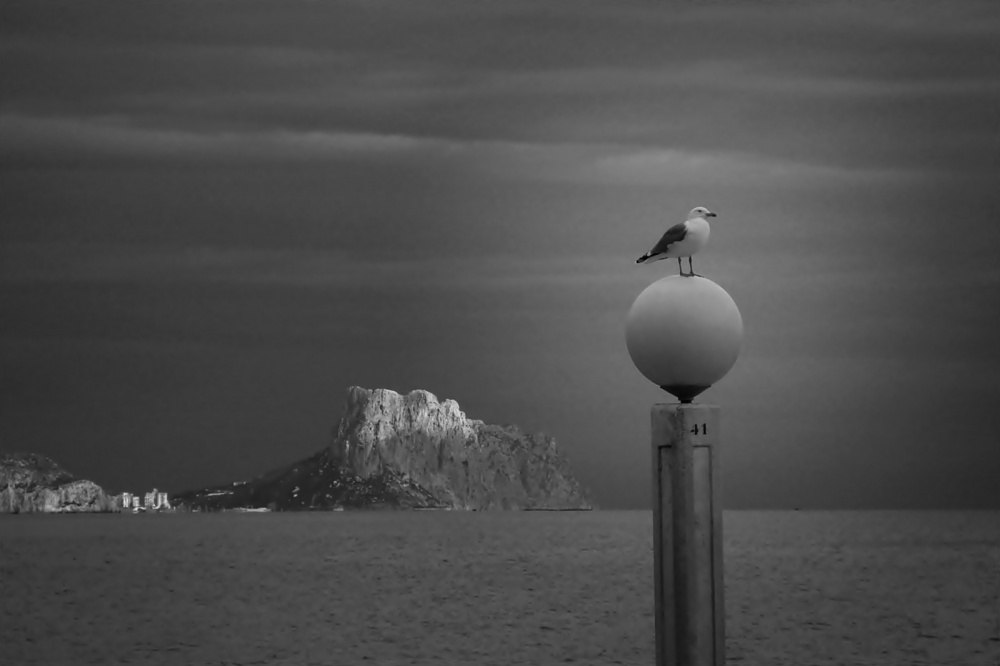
{"x":30,"y":483}
{"x":411,"y":452}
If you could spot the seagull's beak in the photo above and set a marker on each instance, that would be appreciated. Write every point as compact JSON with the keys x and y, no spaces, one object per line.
{"x":710,"y":214}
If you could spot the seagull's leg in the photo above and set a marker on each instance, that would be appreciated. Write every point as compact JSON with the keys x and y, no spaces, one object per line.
{"x":691,"y":267}
{"x":680,"y":266}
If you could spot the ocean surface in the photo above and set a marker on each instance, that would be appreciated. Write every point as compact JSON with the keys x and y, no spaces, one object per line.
{"x":843,"y":588}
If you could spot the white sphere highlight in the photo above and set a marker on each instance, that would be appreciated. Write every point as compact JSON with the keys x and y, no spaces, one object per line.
{"x":684,"y":334}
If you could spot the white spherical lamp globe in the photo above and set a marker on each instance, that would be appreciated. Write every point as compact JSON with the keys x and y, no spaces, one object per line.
{"x":684,"y":334}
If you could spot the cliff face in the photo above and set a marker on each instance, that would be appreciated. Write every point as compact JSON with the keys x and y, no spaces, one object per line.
{"x":33,"y":483}
{"x":462,"y":463}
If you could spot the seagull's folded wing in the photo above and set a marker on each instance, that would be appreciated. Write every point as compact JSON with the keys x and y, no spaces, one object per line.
{"x":673,"y":235}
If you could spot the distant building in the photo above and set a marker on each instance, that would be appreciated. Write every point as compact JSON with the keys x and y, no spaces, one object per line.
{"x":152,"y":501}
{"x":130,"y":501}
{"x":160,"y":500}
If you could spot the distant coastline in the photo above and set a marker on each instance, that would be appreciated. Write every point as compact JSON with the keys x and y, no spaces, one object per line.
{"x":388,"y":452}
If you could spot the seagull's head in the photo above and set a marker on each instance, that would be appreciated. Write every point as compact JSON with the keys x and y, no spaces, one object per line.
{"x":700,"y":211}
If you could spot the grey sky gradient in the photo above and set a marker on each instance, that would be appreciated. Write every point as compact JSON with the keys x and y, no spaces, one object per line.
{"x":217,"y":216}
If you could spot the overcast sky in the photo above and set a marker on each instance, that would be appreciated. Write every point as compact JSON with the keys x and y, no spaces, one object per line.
{"x":217,"y":216}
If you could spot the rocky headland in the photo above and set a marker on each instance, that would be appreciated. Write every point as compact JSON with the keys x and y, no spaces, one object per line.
{"x":410,"y":451}
{"x":32,"y":483}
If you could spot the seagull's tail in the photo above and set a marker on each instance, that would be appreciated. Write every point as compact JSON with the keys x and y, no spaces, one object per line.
{"x":642,"y":259}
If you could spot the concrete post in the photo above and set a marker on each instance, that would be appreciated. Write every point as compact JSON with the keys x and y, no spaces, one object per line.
{"x":687,"y":536}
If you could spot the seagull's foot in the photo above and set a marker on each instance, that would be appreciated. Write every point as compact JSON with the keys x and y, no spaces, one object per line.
{"x":695,"y":275}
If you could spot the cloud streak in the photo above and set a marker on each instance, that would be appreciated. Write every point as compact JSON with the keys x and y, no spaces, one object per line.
{"x":35,"y":263}
{"x":61,"y":140}
{"x":812,"y":83}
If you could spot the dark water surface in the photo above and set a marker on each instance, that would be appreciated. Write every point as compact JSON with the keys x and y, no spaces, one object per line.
{"x":885,"y":588}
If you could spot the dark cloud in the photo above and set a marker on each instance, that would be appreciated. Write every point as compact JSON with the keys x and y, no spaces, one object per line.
{"x":824,"y":83}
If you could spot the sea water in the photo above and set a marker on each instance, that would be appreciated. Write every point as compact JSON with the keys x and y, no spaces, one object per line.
{"x":867,"y":588}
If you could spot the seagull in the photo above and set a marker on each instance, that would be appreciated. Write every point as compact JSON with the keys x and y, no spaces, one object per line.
{"x":682,"y":240}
